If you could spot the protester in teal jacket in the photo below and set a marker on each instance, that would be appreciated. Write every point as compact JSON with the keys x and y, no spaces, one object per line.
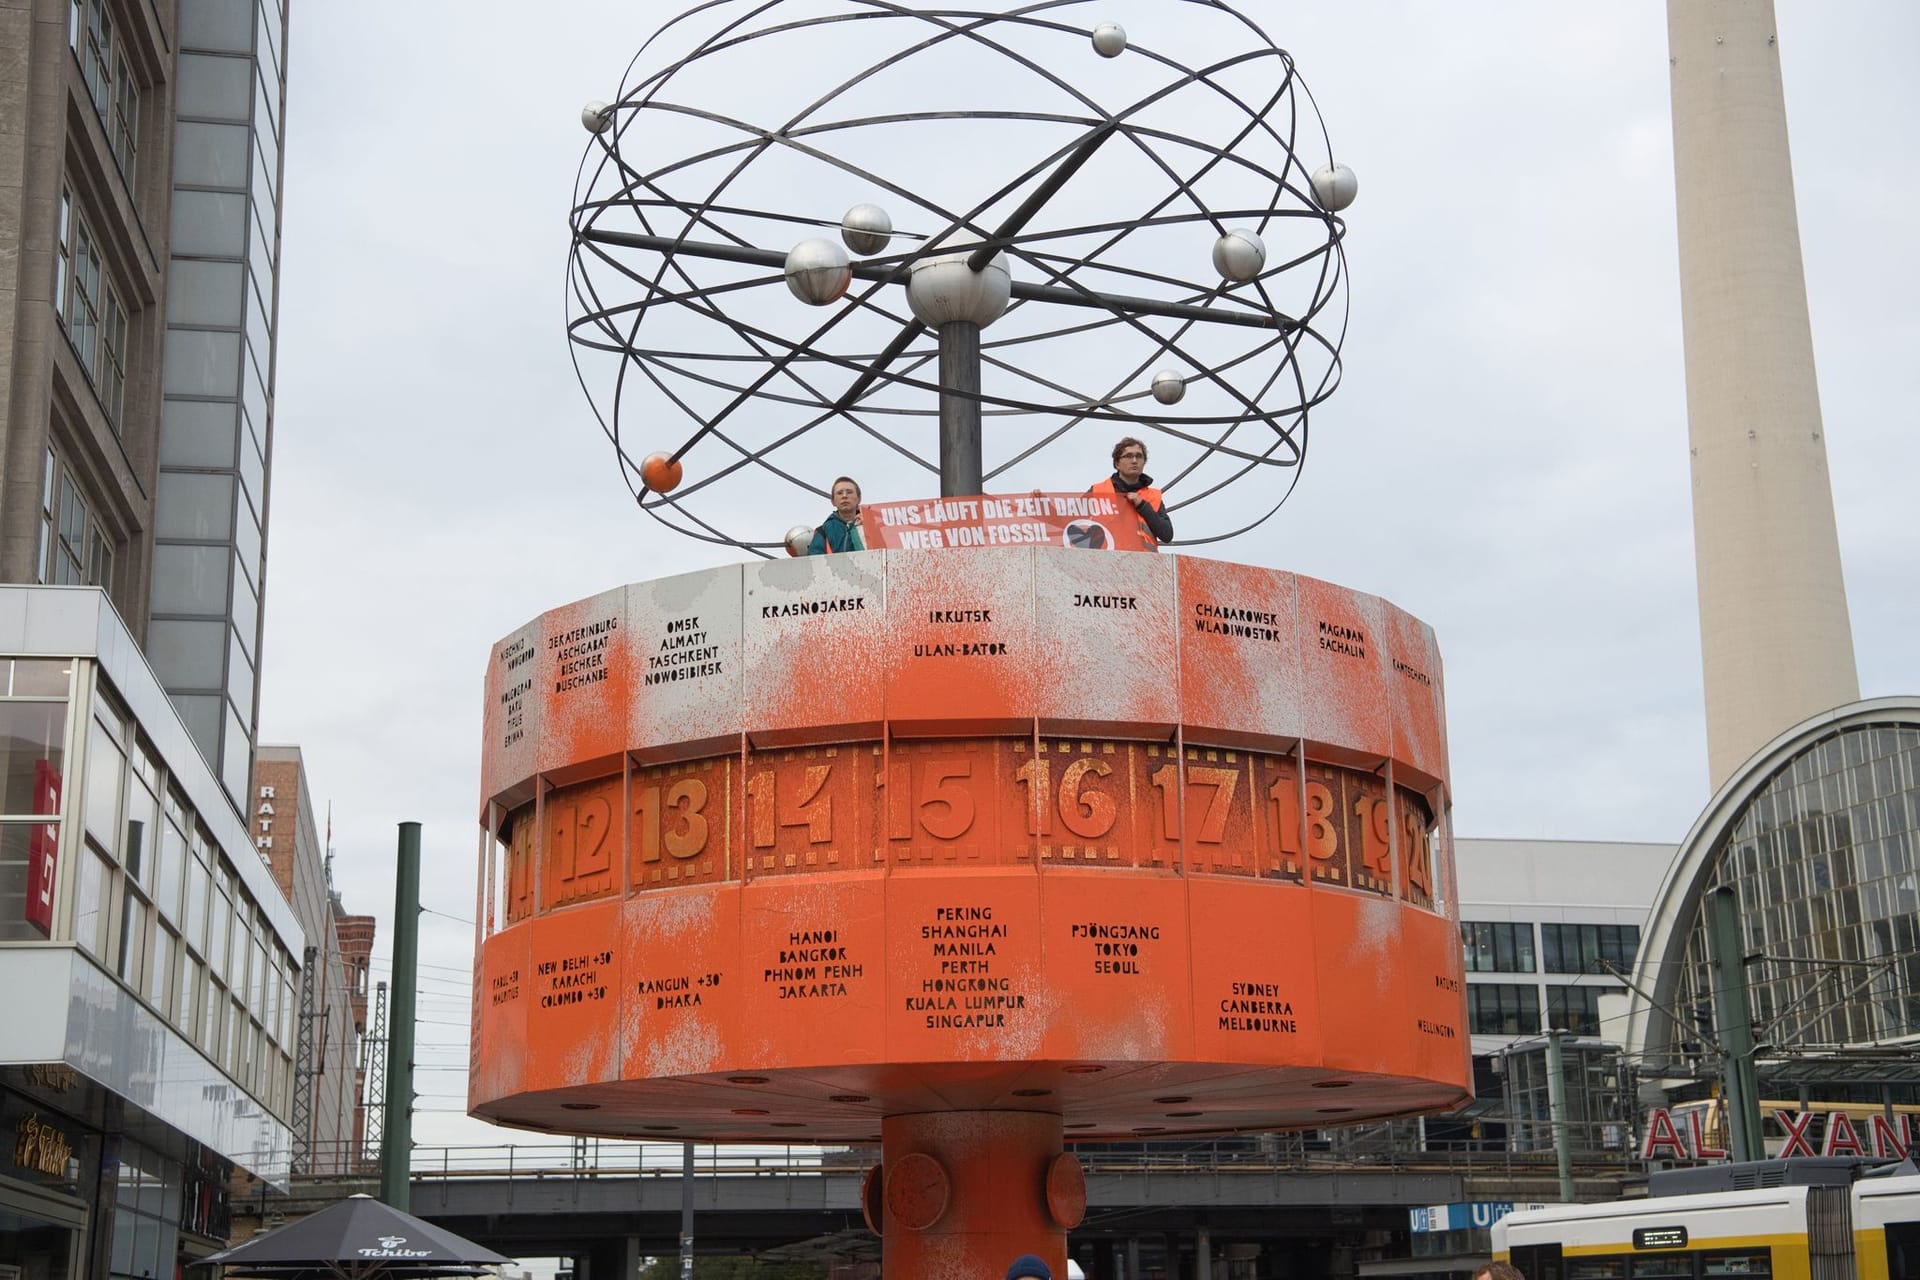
{"x":840,"y":531}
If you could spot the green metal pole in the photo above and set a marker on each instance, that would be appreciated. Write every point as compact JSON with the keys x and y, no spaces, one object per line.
{"x":686,"y":1211}
{"x":1733,"y":1022}
{"x":1557,"y":1112}
{"x":396,"y":1138}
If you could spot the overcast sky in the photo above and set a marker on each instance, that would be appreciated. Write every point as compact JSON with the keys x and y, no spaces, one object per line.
{"x":1506,"y":457}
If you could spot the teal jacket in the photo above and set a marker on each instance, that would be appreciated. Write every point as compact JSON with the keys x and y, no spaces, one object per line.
{"x":835,"y":535}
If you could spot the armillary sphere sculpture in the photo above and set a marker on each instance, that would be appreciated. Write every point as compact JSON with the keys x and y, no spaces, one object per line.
{"x":978,"y":838}
{"x":954,"y":241}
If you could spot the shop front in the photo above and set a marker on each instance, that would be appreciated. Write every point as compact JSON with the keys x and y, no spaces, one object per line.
{"x":92,"y":1189}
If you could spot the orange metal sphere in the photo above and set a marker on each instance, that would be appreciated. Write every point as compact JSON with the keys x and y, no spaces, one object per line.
{"x":661,"y":473}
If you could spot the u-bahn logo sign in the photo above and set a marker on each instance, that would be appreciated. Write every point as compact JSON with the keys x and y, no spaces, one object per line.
{"x":1464,"y":1215}
{"x":1694,"y":1135}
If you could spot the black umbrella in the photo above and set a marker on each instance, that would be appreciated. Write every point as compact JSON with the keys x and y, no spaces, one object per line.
{"x":358,"y":1239}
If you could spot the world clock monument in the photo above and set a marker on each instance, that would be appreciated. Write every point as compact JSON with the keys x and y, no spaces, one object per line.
{"x":1005,"y":831}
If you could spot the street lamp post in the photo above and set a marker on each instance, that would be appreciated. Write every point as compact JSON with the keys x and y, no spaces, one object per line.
{"x":1733,"y":1017}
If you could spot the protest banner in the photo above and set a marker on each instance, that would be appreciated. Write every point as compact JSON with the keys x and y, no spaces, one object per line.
{"x":1088,"y":521}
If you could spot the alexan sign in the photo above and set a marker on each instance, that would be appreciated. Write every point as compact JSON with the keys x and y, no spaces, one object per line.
{"x":1694,"y":1134}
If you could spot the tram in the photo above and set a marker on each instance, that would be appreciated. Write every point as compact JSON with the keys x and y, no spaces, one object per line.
{"x":1866,"y":1230}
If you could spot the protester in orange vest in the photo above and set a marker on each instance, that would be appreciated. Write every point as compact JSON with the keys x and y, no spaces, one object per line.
{"x":1131,"y":482}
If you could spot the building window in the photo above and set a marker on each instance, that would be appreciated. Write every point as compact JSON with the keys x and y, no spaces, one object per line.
{"x":33,"y":766}
{"x":111,"y":379}
{"x":146,"y":1211}
{"x":108,"y":77}
{"x":1503,"y":1009}
{"x":1588,"y":948}
{"x":90,"y":909}
{"x":166,"y":945}
{"x":95,"y":51}
{"x":79,"y":305}
{"x":123,"y":126}
{"x":74,"y":550}
{"x":63,"y":260}
{"x":135,"y":916}
{"x":1577,"y":1009}
{"x":87,"y":304}
{"x":1491,"y":947}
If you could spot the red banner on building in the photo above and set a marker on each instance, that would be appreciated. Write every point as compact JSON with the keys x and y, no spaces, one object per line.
{"x":43,"y":848}
{"x":1089,"y":521}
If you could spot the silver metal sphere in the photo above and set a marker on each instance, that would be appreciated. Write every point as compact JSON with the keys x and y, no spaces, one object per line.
{"x":1334,"y":186}
{"x":1169,"y":387}
{"x":798,"y":539}
{"x":941,"y":287}
{"x":818,"y":272}
{"x":866,"y":228}
{"x":1239,"y":255}
{"x":597,"y":116}
{"x":1109,"y":39}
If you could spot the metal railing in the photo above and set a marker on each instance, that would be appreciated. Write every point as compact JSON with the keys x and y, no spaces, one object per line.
{"x":595,"y":1158}
{"x":1371,"y":1148}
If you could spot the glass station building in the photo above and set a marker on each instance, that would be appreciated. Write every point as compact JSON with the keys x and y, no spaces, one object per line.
{"x":1819,"y":836}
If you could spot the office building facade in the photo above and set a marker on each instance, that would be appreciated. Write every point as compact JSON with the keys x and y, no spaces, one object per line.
{"x":139,"y":245}
{"x":328,"y":1115}
{"x":1549,"y":931}
{"x":1549,"y":928}
{"x":152,"y":964}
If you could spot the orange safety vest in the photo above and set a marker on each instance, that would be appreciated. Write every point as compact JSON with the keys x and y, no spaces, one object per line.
{"x":1150,"y":493}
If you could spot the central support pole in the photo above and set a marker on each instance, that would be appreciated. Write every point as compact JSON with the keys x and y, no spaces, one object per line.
{"x":967,"y":1192}
{"x":960,"y":469}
